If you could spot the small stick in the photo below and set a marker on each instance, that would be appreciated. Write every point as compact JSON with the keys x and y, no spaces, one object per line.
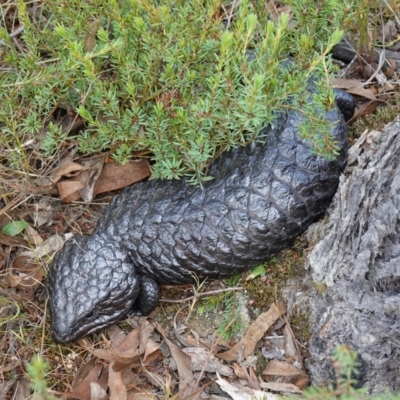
{"x":197,"y":295}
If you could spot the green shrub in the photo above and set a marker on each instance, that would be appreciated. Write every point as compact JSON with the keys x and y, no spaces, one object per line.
{"x":171,"y":80}
{"x":37,"y":370}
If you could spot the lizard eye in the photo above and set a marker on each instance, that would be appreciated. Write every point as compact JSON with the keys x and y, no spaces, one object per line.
{"x":90,"y":315}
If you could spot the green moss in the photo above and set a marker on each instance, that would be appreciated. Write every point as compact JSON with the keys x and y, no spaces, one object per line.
{"x":320,"y":288}
{"x":261,"y":363}
{"x":300,"y":324}
{"x":375,"y":121}
{"x":166,"y":311}
{"x":173,"y":293}
{"x":278,"y":271}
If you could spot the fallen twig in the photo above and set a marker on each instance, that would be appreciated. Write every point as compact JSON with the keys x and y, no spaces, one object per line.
{"x":210,"y":293}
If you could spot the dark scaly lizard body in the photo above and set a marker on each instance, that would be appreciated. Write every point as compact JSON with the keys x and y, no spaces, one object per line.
{"x":262,"y":197}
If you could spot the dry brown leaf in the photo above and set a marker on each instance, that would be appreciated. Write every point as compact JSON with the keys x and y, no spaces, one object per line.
{"x":95,"y":176}
{"x":286,"y":372}
{"x":122,"y":382}
{"x":254,"y":333}
{"x":33,"y":236}
{"x":24,"y":274}
{"x":102,"y":354}
{"x":90,"y":176}
{"x":302,"y":382}
{"x":130,"y":342}
{"x":197,"y":394}
{"x":184,"y":365}
{"x":291,"y":352}
{"x":116,"y":176}
{"x":202,"y":358}
{"x":353,"y":86}
{"x":116,"y":335}
{"x":82,"y":184}
{"x":82,"y":373}
{"x":71,"y":121}
{"x":133,"y":346}
{"x":128,"y":351}
{"x":362,"y":92}
{"x":12,"y":240}
{"x":69,"y":190}
{"x":145,"y":333}
{"x":46,"y":209}
{"x":97,"y":392}
{"x":7,"y":367}
{"x":275,"y":11}
{"x":91,"y":31}
{"x":281,"y":368}
{"x":118,"y":390}
{"x":388,"y":31}
{"x":152,"y":351}
{"x":68,"y":169}
{"x":93,"y":373}
{"x":105,"y":354}
{"x":3,"y":258}
{"x":253,"y":381}
{"x":238,"y":369}
{"x":342,"y":83}
{"x":129,"y":377}
{"x":198,"y":342}
{"x":365,"y":109}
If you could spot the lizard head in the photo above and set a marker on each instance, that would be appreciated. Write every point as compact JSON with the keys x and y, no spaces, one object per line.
{"x":91,"y":284}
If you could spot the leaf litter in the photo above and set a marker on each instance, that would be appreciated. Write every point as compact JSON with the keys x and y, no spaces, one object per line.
{"x":95,"y":176}
{"x":147,"y":363}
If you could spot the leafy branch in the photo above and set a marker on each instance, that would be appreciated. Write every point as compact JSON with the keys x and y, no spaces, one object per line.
{"x":174,"y":79}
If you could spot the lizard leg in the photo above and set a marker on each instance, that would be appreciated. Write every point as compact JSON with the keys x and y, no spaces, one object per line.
{"x":148,"y":297}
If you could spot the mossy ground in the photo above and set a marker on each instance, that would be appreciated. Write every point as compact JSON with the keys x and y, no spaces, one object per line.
{"x":301,"y":326}
{"x":279,"y":270}
{"x":375,"y":121}
{"x":283,"y":271}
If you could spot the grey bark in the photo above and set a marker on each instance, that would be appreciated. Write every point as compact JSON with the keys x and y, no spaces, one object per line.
{"x":358,"y":262}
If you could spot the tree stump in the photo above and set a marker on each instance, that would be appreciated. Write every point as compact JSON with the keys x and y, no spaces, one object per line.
{"x":356,"y":263}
